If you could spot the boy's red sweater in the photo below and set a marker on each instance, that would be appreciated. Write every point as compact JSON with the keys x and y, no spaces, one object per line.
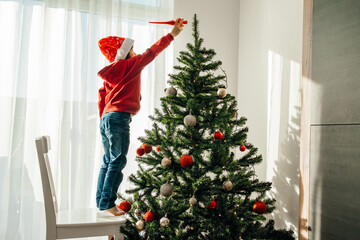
{"x":122,"y":83}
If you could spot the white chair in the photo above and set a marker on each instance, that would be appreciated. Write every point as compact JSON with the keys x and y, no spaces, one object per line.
{"x":73,"y":223}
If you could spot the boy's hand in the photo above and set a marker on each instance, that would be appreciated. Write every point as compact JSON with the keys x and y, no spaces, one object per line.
{"x":178,"y":27}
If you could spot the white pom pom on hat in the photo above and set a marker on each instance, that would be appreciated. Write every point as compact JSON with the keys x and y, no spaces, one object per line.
{"x":124,"y":50}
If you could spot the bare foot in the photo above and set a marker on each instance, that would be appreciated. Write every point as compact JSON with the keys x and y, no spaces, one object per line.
{"x":115,"y":211}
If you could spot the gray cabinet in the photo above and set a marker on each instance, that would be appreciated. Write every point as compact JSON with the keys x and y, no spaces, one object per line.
{"x":335,"y":121}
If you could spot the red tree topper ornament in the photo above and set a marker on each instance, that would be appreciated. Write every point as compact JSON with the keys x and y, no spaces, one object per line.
{"x":149,"y":216}
{"x":171,"y":22}
{"x":186,"y":161}
{"x":212,"y":205}
{"x":242,"y":148}
{"x":147,"y":148}
{"x":259,"y":207}
{"x":218,"y":135}
{"x":140,"y":151}
{"x":125,"y":206}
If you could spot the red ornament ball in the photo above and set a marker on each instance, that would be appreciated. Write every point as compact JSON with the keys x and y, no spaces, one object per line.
{"x":212,"y":205}
{"x":149,"y":216}
{"x":186,"y":161}
{"x":140,"y":151}
{"x":259,"y":207}
{"x":147,"y":148}
{"x":218,"y":135}
{"x":242,"y":148}
{"x":125,"y":206}
{"x":158,"y":148}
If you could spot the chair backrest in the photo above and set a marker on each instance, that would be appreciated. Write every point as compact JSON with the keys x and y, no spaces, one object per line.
{"x":42,"y":147}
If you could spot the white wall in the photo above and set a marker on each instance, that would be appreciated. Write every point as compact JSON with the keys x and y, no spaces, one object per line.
{"x":218,"y":26}
{"x":259,"y":43}
{"x":270,"y":53}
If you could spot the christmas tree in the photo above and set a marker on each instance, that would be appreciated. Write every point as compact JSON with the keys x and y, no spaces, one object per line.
{"x":192,"y":186}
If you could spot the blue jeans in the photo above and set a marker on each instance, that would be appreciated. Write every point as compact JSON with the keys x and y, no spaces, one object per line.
{"x":115,"y":132}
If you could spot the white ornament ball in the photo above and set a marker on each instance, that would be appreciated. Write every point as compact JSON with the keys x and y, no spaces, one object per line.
{"x":193,"y":201}
{"x":227,"y":185}
{"x":171,"y":91}
{"x":190,"y":120}
{"x":164,"y":222}
{"x":140,"y":225}
{"x":166,"y":190}
{"x":166,"y":162}
{"x":221,"y":92}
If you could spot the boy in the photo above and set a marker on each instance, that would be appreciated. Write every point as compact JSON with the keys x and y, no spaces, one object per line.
{"x":119,"y":99}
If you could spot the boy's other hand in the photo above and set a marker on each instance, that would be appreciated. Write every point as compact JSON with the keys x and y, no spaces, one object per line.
{"x":178,"y":27}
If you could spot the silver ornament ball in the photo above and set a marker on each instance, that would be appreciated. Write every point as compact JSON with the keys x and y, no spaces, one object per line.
{"x":193,"y":201}
{"x":221,"y":92}
{"x":190,"y":120}
{"x":166,"y":162}
{"x":166,"y":190}
{"x":140,"y":225}
{"x":171,"y":91}
{"x":227,"y":185}
{"x":164,"y":222}
{"x":137,"y":212}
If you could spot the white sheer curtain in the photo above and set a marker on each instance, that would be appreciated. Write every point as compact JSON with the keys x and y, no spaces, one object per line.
{"x":48,"y":86}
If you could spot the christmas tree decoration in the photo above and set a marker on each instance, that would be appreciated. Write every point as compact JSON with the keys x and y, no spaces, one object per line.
{"x":166,"y":162}
{"x":242,"y":148}
{"x":140,"y":151}
{"x":218,"y":135}
{"x":186,"y":161}
{"x":227,"y":185}
{"x":212,"y":205}
{"x":149,"y":216}
{"x":235,"y":114}
{"x":137,"y":212}
{"x":190,"y":120}
{"x":171,"y":91}
{"x":140,"y":225}
{"x":158,"y":149}
{"x":166,"y":190}
{"x":193,"y":201}
{"x":259,"y":207}
{"x":171,"y":22}
{"x":221,"y":92}
{"x":147,"y":148}
{"x":164,"y":221}
{"x":125,"y":206}
{"x":207,"y":189}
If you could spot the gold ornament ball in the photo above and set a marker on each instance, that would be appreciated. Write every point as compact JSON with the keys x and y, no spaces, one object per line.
{"x":190,"y":120}
{"x":166,"y":162}
{"x":221,"y":92}
{"x":227,"y":185}
{"x":164,"y":222}
{"x":166,"y":190}
{"x":140,"y":225}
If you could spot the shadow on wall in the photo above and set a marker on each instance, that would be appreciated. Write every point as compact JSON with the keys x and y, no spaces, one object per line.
{"x":286,"y":176}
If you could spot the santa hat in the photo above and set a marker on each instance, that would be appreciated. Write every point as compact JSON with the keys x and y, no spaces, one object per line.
{"x":115,"y":48}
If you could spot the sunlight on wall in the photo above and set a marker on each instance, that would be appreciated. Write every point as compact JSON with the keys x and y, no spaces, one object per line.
{"x":283,"y":137}
{"x":275,"y":74}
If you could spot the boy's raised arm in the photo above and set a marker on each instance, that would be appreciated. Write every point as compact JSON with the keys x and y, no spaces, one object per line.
{"x":160,"y":45}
